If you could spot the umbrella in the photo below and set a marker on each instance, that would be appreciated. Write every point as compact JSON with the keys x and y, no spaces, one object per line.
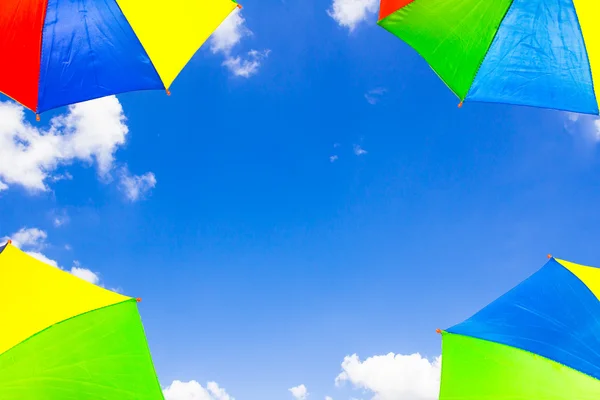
{"x":63,"y":338}
{"x":59,"y":52}
{"x":539,"y":53}
{"x":540,"y":340}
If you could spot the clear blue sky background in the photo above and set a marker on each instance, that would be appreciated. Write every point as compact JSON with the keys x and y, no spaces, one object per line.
{"x":262,"y":264}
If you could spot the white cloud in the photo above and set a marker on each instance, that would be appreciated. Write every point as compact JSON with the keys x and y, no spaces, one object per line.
{"x":32,"y":240}
{"x":136,"y":187}
{"x":374,"y":95}
{"x":333,"y":158}
{"x":231,"y":32}
{"x":393,"y":376}
{"x":30,"y":156}
{"x":192,"y":390}
{"x":349,"y":13}
{"x":299,"y":392}
{"x":328,"y":398}
{"x":359,"y":151}
{"x":3,"y":186}
{"x":84,"y":273}
{"x":248,"y":66}
{"x":61,"y":177}
{"x":587,"y":125}
{"x":43,"y":258}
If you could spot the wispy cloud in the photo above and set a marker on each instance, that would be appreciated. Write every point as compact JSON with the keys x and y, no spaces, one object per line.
{"x":136,"y":187}
{"x":333,"y":158}
{"x":358,"y":150}
{"x":350,"y":13}
{"x":582,"y":124}
{"x":59,"y":218}
{"x":374,"y":95}
{"x":227,"y":36}
{"x":248,"y":66}
{"x":231,"y":31}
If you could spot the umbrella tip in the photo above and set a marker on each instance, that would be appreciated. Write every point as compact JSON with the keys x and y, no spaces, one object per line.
{"x":37,"y":117}
{"x":460,"y":104}
{"x":9,"y":241}
{"x":549,"y":256}
{"x":239,"y":6}
{"x":438,"y":330}
{"x":168,"y":92}
{"x":139,"y":299}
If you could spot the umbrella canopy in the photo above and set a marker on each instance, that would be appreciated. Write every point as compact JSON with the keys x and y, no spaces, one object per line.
{"x":541,"y":53}
{"x":59,"y":52}
{"x":63,"y":338}
{"x":541,"y":340}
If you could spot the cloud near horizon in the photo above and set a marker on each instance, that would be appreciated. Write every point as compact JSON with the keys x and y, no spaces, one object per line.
{"x":393,"y":376}
{"x":299,"y":392}
{"x":193,"y":390}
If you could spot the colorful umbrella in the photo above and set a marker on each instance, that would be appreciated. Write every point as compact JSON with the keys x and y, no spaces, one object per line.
{"x":541,"y":340}
{"x":63,"y":338}
{"x":542,"y":53}
{"x":59,"y":52}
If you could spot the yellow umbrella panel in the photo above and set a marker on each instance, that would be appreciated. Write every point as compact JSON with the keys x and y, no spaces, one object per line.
{"x":63,"y":338}
{"x":61,"y":52}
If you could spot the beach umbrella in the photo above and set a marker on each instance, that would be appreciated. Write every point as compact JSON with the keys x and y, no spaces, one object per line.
{"x":539,"y":53}
{"x":540,"y":340}
{"x":63,"y":338}
{"x":59,"y":52}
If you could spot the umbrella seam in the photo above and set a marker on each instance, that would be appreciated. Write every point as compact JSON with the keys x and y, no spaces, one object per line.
{"x":64,"y":320}
{"x":519,"y":349}
{"x":39,"y":77}
{"x":587,"y":56}
{"x":141,"y":44}
{"x":415,"y":50}
{"x":488,"y":49}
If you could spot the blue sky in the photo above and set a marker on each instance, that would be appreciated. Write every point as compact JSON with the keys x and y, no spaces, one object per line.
{"x":264,"y":262}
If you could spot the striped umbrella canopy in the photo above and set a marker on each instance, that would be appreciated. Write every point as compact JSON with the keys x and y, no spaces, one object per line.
{"x":59,"y":52}
{"x":539,"y":53}
{"x":540,"y":340}
{"x":63,"y":338}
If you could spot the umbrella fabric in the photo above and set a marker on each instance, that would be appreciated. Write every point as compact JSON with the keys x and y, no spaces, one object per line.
{"x":540,"y":340}
{"x":60,"y":52}
{"x":541,"y":53}
{"x":63,"y":338}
